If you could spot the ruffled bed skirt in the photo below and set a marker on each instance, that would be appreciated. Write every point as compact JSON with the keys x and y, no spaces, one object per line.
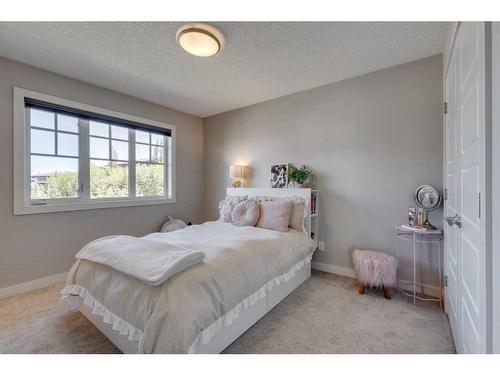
{"x":135,"y":334}
{"x":226,"y":320}
{"x":95,"y":307}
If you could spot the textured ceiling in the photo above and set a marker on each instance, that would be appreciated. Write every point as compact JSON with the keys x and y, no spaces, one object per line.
{"x":260,"y":60}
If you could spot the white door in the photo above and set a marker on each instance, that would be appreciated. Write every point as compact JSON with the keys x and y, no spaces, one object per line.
{"x":465,"y":252}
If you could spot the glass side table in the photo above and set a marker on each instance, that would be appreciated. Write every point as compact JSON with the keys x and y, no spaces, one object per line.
{"x":419,"y":236}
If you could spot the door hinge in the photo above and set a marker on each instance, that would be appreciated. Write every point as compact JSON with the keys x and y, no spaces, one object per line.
{"x":445,"y":194}
{"x":445,"y":281}
{"x":445,"y":108}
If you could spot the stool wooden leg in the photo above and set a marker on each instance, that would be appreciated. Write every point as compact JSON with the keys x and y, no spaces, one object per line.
{"x":387,"y":293}
{"x":361,"y":289}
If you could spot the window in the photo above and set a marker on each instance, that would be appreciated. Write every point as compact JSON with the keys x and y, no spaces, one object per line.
{"x":71,"y":156}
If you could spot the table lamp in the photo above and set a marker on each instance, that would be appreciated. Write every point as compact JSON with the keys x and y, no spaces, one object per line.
{"x":236,"y":174}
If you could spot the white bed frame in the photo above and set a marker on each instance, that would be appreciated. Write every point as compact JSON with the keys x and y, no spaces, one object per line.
{"x":247,"y":317}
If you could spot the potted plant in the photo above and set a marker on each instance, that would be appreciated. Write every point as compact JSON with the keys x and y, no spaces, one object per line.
{"x":299,"y":175}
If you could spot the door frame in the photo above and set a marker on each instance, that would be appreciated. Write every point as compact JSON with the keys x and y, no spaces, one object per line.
{"x":492,"y":239}
{"x":450,"y":54}
{"x":447,"y":56}
{"x":495,"y":67}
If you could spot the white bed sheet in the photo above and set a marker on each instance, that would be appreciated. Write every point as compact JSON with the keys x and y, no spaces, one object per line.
{"x":195,"y":303}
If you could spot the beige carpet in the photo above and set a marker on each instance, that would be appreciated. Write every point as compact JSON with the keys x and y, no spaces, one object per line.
{"x":325,"y":315}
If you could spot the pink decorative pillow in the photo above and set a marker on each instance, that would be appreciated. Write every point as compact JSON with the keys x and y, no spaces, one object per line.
{"x":275,"y":215}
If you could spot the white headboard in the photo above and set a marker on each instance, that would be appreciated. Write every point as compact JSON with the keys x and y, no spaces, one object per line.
{"x":278,"y":193}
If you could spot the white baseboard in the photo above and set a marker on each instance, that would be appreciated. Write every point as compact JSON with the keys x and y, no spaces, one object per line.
{"x":32,"y":285}
{"x":429,"y":290}
{"x":330,"y":268}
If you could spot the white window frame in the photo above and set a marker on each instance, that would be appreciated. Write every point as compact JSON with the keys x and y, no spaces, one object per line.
{"x":23,"y":204}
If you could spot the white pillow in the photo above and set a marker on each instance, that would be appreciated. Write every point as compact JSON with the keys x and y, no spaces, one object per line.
{"x":246,"y":213}
{"x":298,"y":213}
{"x":227,"y":205}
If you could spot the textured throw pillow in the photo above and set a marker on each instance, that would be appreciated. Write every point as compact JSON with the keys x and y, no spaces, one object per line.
{"x":246,"y":213}
{"x":297,"y":215}
{"x":275,"y":215}
{"x":227,"y":205}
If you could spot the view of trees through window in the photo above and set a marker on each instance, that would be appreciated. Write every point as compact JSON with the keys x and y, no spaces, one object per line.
{"x":55,"y":155}
{"x":60,"y":185}
{"x":107,"y":181}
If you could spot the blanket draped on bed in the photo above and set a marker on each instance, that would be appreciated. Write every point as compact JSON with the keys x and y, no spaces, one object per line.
{"x":150,"y":261}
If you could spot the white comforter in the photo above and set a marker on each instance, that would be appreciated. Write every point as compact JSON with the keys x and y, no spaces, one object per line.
{"x":194,"y":304}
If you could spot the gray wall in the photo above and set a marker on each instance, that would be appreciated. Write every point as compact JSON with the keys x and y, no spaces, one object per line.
{"x":370,"y":141}
{"x":34,"y":246}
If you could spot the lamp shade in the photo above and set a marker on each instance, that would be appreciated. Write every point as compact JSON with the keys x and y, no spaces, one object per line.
{"x":235,"y":171}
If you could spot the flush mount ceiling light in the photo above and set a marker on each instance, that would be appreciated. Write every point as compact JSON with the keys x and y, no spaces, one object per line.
{"x":200,"y":40}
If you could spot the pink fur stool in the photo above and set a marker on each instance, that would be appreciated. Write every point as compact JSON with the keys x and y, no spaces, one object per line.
{"x":374,"y":269}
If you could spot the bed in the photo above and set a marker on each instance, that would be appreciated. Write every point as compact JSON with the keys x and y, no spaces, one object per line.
{"x":246,"y":272}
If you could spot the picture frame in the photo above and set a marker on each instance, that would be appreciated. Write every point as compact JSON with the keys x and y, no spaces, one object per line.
{"x":278,"y":178}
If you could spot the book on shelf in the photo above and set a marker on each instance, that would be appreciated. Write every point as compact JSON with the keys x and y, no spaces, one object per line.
{"x":313,"y":203}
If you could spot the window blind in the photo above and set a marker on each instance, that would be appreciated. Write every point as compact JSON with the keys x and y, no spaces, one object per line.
{"x":38,"y":104}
